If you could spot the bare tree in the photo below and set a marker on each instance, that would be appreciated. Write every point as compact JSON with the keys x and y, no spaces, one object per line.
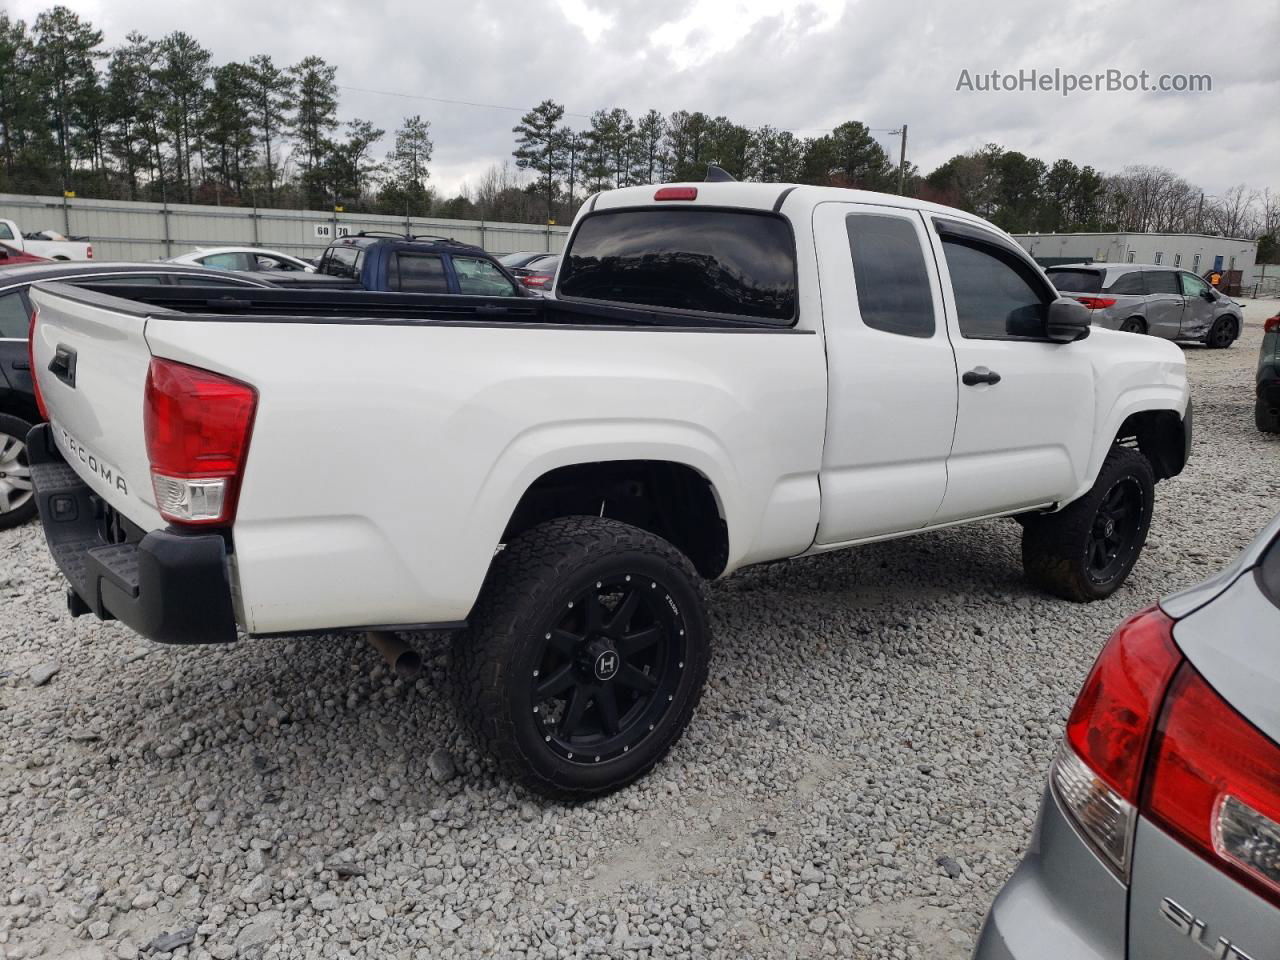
{"x":1235,"y":213}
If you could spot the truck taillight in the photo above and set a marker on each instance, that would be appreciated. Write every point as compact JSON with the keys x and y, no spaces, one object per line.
{"x":1214,"y":784}
{"x":197,"y":426}
{"x":31,"y":362}
{"x":1098,"y":772}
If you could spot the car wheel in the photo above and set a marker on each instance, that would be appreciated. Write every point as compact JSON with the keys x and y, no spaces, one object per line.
{"x":1134,"y":325}
{"x":17,"y":498}
{"x":1222,"y":334}
{"x":585,"y":656}
{"x":1085,"y":551}
{"x":1266,"y":418}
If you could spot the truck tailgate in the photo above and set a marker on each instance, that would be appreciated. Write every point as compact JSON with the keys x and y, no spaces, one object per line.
{"x":91,"y":360}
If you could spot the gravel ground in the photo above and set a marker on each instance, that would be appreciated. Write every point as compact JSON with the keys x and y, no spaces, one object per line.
{"x":862,"y":775}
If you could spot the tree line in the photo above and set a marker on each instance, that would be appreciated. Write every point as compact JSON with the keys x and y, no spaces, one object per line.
{"x":156,"y":119}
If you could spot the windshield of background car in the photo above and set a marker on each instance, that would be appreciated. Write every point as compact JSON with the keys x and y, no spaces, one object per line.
{"x":1076,"y":281}
{"x":736,"y":263}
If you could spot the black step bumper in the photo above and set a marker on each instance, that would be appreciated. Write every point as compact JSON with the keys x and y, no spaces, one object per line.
{"x":167,"y":586}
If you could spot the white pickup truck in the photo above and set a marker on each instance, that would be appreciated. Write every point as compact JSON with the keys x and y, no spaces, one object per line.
{"x":52,"y":245}
{"x":729,"y":373}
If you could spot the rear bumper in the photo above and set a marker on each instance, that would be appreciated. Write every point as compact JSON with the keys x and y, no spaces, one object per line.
{"x":1060,"y":904}
{"x":166,"y":586}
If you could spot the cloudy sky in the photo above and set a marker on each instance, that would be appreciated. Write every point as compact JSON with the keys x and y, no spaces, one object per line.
{"x":803,"y":66}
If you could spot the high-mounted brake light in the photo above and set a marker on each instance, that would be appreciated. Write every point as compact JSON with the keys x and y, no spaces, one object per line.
{"x":1098,"y":773}
{"x":1214,"y":784}
{"x":1272,"y":323}
{"x":197,"y":426}
{"x":31,"y":362}
{"x":676,"y":193}
{"x":1097,"y":303}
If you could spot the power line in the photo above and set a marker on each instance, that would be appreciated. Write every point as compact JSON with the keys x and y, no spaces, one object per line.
{"x":461,"y":103}
{"x":582,"y":116}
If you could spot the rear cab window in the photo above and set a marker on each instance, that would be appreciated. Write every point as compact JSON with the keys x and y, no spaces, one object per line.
{"x":729,"y":263}
{"x":1076,"y":281}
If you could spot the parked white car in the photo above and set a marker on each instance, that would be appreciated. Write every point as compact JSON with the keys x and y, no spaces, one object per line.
{"x":244,"y":258}
{"x":47,"y":243}
{"x":730,"y":373}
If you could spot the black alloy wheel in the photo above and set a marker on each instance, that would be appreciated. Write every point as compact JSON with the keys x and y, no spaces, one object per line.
{"x":609,"y":668}
{"x":1116,"y":526}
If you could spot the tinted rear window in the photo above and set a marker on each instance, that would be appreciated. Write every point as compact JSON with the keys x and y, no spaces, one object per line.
{"x":1162,"y":281}
{"x":710,"y":261}
{"x":1076,"y":281}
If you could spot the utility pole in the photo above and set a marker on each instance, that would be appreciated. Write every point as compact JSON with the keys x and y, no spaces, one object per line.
{"x":902,"y":160}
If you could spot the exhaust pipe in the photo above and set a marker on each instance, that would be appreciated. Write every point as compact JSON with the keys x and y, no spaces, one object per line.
{"x":400,"y":657}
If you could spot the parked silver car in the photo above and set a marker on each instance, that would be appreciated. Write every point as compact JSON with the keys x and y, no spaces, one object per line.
{"x":1159,"y":833}
{"x":1147,"y":298}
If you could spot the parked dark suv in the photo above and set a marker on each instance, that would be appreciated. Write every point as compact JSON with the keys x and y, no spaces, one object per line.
{"x":1145,"y":298}
{"x":393,"y":262}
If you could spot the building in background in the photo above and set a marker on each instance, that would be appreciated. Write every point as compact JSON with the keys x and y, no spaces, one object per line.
{"x":1195,"y":252}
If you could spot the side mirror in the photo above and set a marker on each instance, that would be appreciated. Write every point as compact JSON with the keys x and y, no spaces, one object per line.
{"x":1209,"y":294}
{"x":1068,"y":320}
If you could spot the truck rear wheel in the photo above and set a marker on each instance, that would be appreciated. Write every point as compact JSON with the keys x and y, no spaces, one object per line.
{"x":585,"y":656}
{"x":1085,"y":551}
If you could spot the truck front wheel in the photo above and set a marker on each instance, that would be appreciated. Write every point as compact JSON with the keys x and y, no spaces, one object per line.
{"x":585,"y":656}
{"x":1085,"y":551}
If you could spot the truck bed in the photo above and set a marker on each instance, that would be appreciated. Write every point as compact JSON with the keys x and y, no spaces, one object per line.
{"x":306,"y":305}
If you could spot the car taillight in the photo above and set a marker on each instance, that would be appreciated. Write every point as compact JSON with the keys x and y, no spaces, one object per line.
{"x":197,"y":426}
{"x":1214,"y":784}
{"x":676,"y":193}
{"x":89,"y":252}
{"x":1097,"y":303}
{"x":1272,"y":323}
{"x":31,"y":361}
{"x":1098,"y":772}
{"x":535,"y":281}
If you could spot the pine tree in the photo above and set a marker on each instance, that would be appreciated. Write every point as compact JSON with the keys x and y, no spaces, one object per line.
{"x":184,"y":72}
{"x":540,"y":149}
{"x":65,"y":50}
{"x":315,"y":115}
{"x":272,"y":100}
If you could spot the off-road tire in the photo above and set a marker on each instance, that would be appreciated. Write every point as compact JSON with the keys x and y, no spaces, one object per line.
{"x":1056,"y":546}
{"x":527,"y":587}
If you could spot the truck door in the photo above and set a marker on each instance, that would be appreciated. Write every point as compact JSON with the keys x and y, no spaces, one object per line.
{"x":1024,"y":427}
{"x":891,"y":407}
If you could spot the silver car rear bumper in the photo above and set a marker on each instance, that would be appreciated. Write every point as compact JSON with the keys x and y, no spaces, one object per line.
{"x":1061,"y":903}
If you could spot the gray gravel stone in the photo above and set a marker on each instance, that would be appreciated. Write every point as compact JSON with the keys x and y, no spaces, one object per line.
{"x":42,"y":674}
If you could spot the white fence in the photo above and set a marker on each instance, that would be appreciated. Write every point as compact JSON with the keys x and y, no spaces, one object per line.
{"x":127,"y":230}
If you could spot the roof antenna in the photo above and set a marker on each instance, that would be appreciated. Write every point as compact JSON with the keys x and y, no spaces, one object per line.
{"x":718,"y":174}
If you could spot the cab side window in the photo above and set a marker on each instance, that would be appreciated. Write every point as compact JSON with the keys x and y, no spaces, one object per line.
{"x":997,"y":295}
{"x":890,"y":275}
{"x":481,"y":278}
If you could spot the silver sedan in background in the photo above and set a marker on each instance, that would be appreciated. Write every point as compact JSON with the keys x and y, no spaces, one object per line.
{"x":1148,"y":298}
{"x":1159,"y":834}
